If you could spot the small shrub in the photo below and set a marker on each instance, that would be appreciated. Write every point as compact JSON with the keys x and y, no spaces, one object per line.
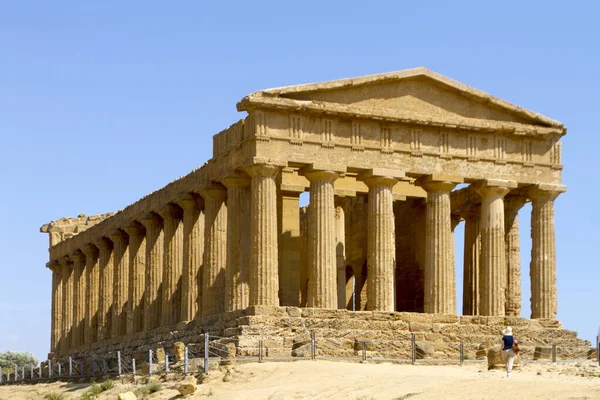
{"x":87,"y":396}
{"x":95,"y":390}
{"x":154,"y":387}
{"x":107,"y":385}
{"x":55,"y":396}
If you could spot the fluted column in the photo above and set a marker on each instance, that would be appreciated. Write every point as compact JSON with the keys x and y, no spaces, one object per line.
{"x":472,"y":245}
{"x":322,"y":269}
{"x":137,"y":278}
{"x":67,"y":303}
{"x":121,"y":282}
{"x":79,"y":299}
{"x":512,"y":205}
{"x":238,"y":241}
{"x":172,"y":264}
{"x":92,"y":274}
{"x":215,"y":250}
{"x":193,"y":250}
{"x":543,"y":251}
{"x":107,"y":275}
{"x":440,"y":277}
{"x":381,"y":242}
{"x":56,"y":334}
{"x":154,"y":269}
{"x":264,"y":257}
{"x":492,"y":283}
{"x":340,"y":254}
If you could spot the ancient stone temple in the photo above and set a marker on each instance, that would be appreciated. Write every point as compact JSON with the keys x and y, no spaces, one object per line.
{"x":393,"y":162}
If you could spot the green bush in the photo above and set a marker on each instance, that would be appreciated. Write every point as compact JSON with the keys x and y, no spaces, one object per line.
{"x":8,"y":359}
{"x":55,"y":396}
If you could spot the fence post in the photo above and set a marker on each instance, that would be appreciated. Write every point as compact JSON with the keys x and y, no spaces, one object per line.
{"x":260,"y":350}
{"x":22,"y":373}
{"x":313,"y":345}
{"x":553,"y":353}
{"x":104,"y":367}
{"x":413,"y":348}
{"x":16,"y":372}
{"x":364,"y":350}
{"x":40,"y":371}
{"x":598,"y":347}
{"x":93,"y":366}
{"x":70,"y":367}
{"x":185,"y":361}
{"x":81,"y":368}
{"x":49,"y":368}
{"x":462,"y":352}
{"x":150,"y":362}
{"x":31,"y":371}
{"x":133,"y":366}
{"x":206,"y":352}
{"x":0,"y":375}
{"x":119,"y":362}
{"x":166,"y":364}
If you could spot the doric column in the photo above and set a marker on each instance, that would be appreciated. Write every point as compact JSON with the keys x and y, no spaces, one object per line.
{"x":512,"y":205}
{"x":381,"y":243}
{"x":440,"y":277}
{"x":172,"y":264}
{"x":322,"y":269}
{"x":238,"y":241}
{"x":193,"y":250}
{"x":340,"y":253}
{"x":543,"y":250}
{"x":92,"y":273}
{"x":215,"y":249}
{"x":107,"y":275}
{"x":264,"y":257}
{"x":154,"y":270}
{"x":121,"y":283}
{"x":67,"y":303}
{"x":56,"y":334}
{"x":472,"y":245}
{"x":493,"y":251}
{"x":79,"y":299}
{"x":137,"y":277}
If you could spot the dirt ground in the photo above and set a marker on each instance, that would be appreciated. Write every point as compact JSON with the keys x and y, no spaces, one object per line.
{"x":353,"y":381}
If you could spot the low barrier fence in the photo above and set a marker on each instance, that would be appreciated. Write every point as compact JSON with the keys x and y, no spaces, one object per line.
{"x":197,"y":358}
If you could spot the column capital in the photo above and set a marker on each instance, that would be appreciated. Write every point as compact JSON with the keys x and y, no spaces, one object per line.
{"x":494,"y":187}
{"x":512,"y":202}
{"x":471,"y":212}
{"x":439,"y":182}
{"x":65,"y":261}
{"x":381,"y":176}
{"x":118,"y":235}
{"x":263,"y":169}
{"x":215,"y":191}
{"x":90,"y":250}
{"x":171,"y":210}
{"x":54,"y":266}
{"x":103,"y":243}
{"x":135,"y":229}
{"x":151,"y":219}
{"x":323,"y":172}
{"x":190,"y":201}
{"x":77,"y":256}
{"x":547,"y":192}
{"x":236,"y":180}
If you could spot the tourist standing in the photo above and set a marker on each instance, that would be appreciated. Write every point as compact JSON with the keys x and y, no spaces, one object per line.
{"x":508,"y":355}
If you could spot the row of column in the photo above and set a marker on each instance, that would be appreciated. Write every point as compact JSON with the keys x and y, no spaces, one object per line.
{"x":219,"y":252}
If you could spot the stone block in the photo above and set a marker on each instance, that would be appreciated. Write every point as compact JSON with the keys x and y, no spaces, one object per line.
{"x":415,"y":317}
{"x":179,"y":351}
{"x":160,"y":355}
{"x":127,"y":396}
{"x":294,"y":312}
{"x":187,"y":386}
{"x":445,"y":318}
{"x":420,"y":327}
{"x":424,"y":349}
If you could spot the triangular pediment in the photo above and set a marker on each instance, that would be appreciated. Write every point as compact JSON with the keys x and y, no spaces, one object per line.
{"x":419,"y":91}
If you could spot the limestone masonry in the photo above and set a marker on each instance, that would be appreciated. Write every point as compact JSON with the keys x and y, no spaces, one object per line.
{"x":228,"y":249}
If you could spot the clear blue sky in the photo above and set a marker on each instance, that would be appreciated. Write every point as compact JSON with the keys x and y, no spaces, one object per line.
{"x":104,"y":102}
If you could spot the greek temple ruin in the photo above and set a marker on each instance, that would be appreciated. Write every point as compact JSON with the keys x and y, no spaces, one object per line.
{"x":392,"y":162}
